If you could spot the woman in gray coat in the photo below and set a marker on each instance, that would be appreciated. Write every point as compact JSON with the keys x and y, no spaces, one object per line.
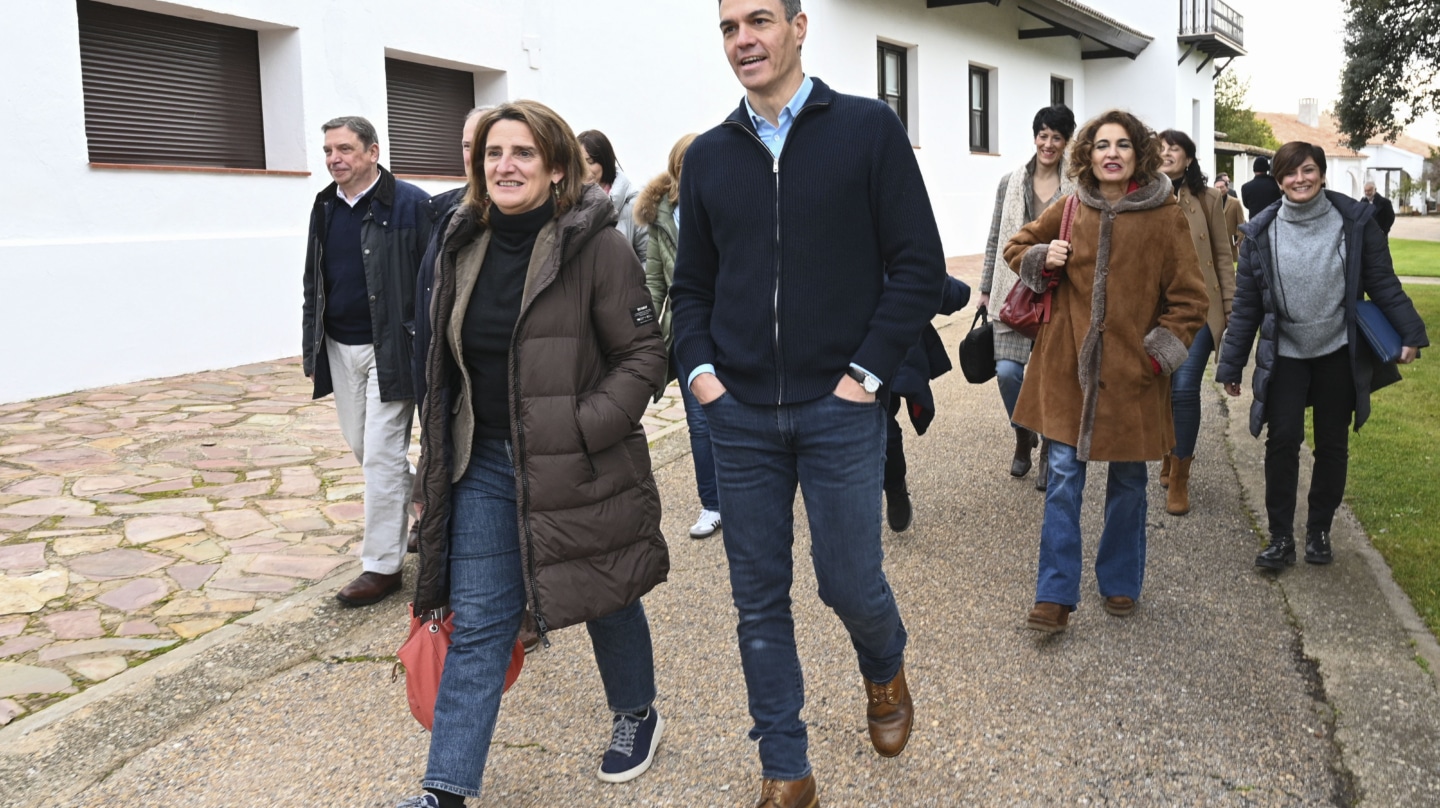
{"x":1304,"y":265}
{"x":603,"y":169}
{"x":1023,"y":195}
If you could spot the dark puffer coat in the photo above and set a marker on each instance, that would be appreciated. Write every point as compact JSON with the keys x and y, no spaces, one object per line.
{"x":585,"y":359}
{"x":1368,"y":271}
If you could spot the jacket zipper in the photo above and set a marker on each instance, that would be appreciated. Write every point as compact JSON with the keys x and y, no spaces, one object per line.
{"x":775,"y":296}
{"x":542,"y":628}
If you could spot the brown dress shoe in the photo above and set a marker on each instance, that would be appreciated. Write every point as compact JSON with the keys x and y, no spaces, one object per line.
{"x":370,"y":587}
{"x":1119,"y":605}
{"x":1051,"y":618}
{"x":789,"y":793}
{"x":890,"y":713}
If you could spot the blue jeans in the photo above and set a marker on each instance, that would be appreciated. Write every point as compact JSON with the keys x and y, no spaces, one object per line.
{"x":700,"y":450}
{"x":1185,"y":393}
{"x":834,"y":451}
{"x":487,"y":595}
{"x":1009,"y":374}
{"x":1120,"y":561}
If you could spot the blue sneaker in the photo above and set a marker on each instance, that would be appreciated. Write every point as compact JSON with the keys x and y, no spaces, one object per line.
{"x":633,"y":741}
{"x":426,"y":800}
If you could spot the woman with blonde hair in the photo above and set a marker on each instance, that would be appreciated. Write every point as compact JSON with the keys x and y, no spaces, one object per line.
{"x":1128,"y":298}
{"x":534,"y":469}
{"x":1202,"y":206}
{"x":658,"y":210}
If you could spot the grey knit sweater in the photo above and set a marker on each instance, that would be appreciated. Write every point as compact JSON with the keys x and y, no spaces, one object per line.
{"x":1307,"y":245}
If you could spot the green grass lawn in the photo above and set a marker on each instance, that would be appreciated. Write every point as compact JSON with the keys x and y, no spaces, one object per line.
{"x":1394,"y":483}
{"x":1416,"y":258}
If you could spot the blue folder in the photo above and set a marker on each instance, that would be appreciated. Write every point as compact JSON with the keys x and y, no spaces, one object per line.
{"x":1383,"y":338}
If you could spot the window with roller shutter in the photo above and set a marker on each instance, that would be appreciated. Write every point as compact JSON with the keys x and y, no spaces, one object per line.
{"x":162,"y":90}
{"x":428,"y":106}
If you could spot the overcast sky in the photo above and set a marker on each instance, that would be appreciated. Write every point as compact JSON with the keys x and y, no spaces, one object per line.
{"x":1276,"y":36}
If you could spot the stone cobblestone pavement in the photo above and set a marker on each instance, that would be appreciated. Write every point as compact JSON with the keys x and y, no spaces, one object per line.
{"x":137,"y":517}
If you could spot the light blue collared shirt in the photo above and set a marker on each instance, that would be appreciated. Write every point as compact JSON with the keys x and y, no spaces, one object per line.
{"x":774,"y":136}
{"x":774,"y":139}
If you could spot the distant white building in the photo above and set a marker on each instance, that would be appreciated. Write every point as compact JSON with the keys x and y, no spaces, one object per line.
{"x":1379,"y":161}
{"x":164,"y":155}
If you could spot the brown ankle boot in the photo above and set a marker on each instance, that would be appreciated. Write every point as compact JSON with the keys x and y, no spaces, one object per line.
{"x":789,"y":793}
{"x":1024,"y":442}
{"x":890,"y":713}
{"x":1177,"y":499}
{"x":1165,"y":471}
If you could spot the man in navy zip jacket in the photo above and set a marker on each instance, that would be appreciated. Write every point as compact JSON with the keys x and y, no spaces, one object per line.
{"x":808,"y":263}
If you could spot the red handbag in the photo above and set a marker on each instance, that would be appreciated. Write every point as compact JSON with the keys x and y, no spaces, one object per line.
{"x":423,"y":656}
{"x":1025,"y":310}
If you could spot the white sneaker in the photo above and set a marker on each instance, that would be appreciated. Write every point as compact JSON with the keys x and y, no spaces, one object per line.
{"x":706,"y":525}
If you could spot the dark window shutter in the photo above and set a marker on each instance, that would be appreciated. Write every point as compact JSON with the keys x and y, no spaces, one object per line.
{"x":428,"y":106}
{"x":163,"y":90}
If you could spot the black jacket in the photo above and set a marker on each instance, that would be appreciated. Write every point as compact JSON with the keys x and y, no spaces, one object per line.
{"x":1368,"y":271}
{"x":927,"y":360}
{"x":1384,"y":212}
{"x":1259,"y":194}
{"x":438,"y":209}
{"x":791,"y":268}
{"x":393,"y":236}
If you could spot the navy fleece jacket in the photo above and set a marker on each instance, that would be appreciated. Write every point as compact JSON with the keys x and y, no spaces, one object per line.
{"x":790,"y":269}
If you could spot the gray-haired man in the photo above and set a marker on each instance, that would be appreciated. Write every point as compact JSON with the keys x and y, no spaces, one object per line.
{"x":368,"y":231}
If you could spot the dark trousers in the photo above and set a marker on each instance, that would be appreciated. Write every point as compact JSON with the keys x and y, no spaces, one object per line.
{"x":1325,"y":384}
{"x":894,"y":448}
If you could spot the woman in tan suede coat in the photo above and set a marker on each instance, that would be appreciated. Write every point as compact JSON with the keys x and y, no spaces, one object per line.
{"x":1128,"y":301}
{"x":1202,"y":206}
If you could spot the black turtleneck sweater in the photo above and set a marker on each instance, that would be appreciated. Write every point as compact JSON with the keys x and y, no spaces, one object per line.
{"x":493,"y":311}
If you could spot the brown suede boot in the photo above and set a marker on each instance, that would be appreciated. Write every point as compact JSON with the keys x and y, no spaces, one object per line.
{"x":1165,"y":471}
{"x":1177,"y":499}
{"x":789,"y":793}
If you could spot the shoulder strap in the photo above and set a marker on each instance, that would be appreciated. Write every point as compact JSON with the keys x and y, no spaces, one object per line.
{"x":1072,"y":203}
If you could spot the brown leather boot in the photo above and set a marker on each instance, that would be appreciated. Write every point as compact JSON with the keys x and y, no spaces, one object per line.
{"x":1165,"y":471}
{"x":1020,"y":462}
{"x":890,"y":713}
{"x":1177,"y":499}
{"x":1048,"y":618}
{"x":789,"y":793}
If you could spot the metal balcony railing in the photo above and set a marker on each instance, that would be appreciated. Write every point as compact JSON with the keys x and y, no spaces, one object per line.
{"x":1201,"y":17}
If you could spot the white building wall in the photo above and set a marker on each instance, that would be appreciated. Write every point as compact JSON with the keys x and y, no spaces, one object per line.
{"x":114,"y":275}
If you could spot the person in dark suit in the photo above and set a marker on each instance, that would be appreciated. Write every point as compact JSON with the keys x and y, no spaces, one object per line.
{"x":1261,"y":192}
{"x":1384,"y":211}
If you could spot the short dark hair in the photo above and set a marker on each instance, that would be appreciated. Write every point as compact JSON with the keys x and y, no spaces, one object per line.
{"x":1144,"y":141}
{"x":362,"y":128}
{"x":1194,"y":178}
{"x":792,"y":7}
{"x":1292,"y":155}
{"x":1262,"y":165}
{"x":599,"y":148}
{"x":1058,"y":118}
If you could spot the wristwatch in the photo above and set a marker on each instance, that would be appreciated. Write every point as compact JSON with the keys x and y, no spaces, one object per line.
{"x":870,"y":383}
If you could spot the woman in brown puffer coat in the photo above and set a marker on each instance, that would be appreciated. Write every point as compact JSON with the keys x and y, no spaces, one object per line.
{"x":534,"y":471}
{"x":1128,"y":301}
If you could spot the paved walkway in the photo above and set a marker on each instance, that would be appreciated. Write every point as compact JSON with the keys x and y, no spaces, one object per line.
{"x":1421,"y":228}
{"x":1227,"y":687}
{"x":138,"y":517}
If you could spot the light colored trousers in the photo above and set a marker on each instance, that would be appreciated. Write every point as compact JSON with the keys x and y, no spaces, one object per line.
{"x":379,"y":434}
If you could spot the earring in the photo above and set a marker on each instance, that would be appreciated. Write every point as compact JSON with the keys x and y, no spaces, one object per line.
{"x":555,"y":190}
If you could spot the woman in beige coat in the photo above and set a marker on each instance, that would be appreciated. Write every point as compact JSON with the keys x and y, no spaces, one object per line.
{"x":1128,"y":301}
{"x":1202,"y":206}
